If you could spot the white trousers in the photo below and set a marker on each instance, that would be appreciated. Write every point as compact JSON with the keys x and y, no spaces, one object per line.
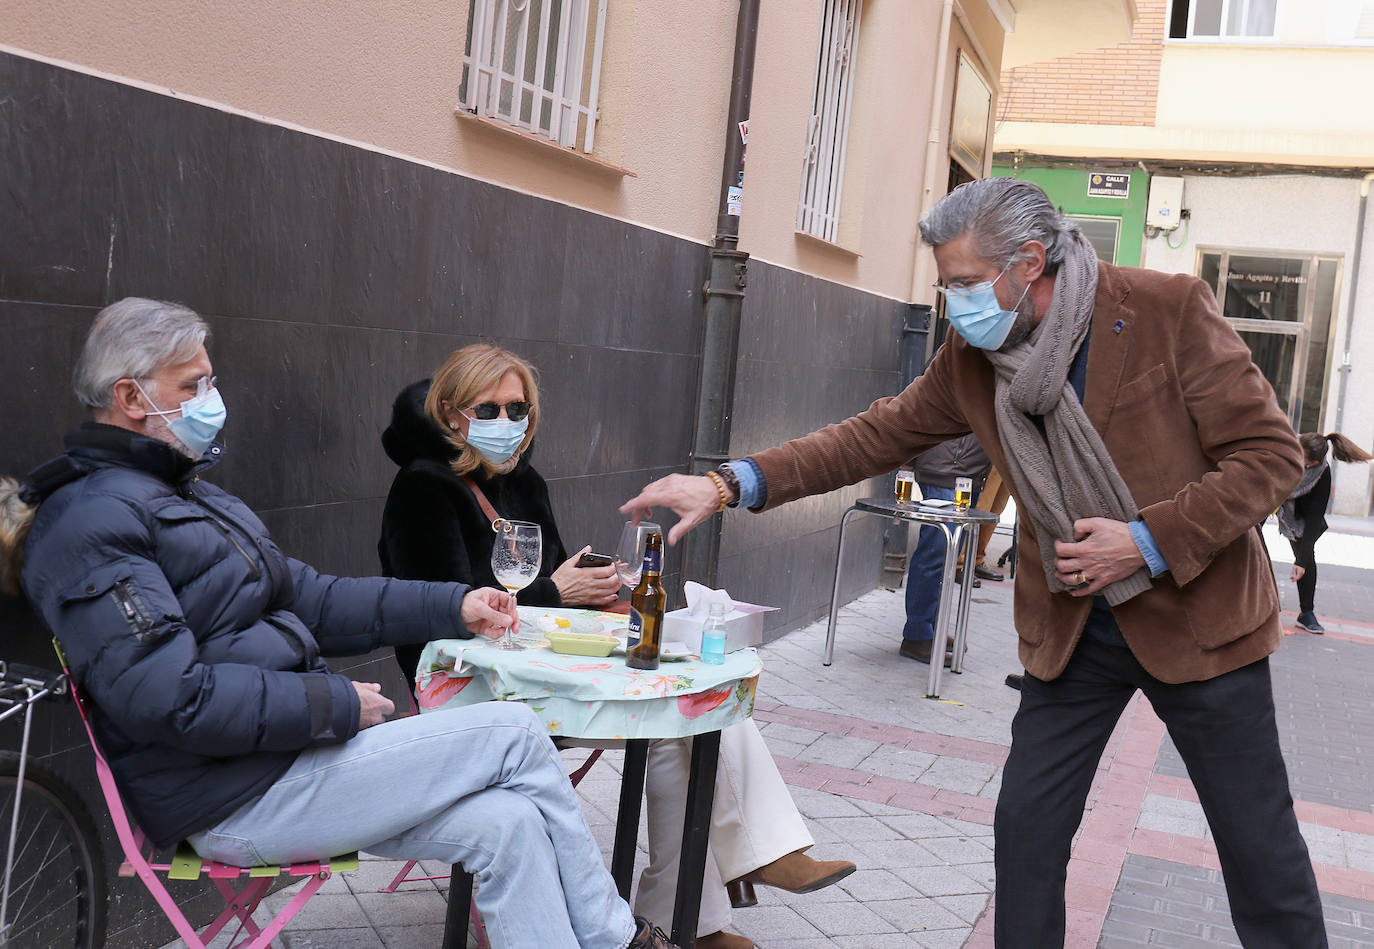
{"x":753,"y":823}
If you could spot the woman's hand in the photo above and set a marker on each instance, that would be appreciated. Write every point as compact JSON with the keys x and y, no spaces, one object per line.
{"x":586,"y":586}
{"x":1297,"y":573}
{"x":693,"y":498}
{"x":488,"y":612}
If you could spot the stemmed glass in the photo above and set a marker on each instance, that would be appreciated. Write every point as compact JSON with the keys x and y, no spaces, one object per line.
{"x":515,"y":558}
{"x":629,"y":556}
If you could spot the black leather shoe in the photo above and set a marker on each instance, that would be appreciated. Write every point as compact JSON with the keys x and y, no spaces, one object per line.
{"x":1014,"y":681}
{"x":987,"y":573}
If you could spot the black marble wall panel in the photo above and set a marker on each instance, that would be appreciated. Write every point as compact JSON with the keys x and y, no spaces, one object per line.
{"x":333,"y":276}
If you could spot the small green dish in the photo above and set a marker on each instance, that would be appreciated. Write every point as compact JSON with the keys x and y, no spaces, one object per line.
{"x":582,"y":644}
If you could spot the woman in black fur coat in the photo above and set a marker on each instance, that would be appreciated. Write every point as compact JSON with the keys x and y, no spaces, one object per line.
{"x":434,"y":527}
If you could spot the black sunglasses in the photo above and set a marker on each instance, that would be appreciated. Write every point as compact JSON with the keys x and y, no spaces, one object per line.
{"x":486,"y":411}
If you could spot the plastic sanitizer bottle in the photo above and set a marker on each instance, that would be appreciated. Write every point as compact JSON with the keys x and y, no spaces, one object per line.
{"x":713,"y":636}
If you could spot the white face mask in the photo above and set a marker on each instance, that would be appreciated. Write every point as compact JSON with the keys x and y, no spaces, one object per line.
{"x":201,"y":416}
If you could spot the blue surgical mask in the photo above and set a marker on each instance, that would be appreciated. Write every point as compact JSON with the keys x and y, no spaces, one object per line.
{"x":202,"y":417}
{"x":978,"y":316}
{"x":497,"y":439}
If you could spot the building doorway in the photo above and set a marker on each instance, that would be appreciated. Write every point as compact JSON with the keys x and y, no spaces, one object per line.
{"x":1283,"y":306}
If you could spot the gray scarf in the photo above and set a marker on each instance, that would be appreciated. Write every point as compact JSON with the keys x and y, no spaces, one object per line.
{"x":1064,"y":474}
{"x":1290,"y":525}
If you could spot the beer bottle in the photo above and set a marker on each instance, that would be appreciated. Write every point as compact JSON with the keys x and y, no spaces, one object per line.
{"x":646,"y":608}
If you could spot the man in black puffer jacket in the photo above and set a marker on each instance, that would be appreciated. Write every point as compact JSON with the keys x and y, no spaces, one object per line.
{"x":199,"y":646}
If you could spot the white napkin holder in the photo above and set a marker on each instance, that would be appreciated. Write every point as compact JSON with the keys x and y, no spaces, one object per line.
{"x":743,"y":621}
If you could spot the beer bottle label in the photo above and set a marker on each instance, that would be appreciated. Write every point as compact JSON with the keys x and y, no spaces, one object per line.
{"x":653,"y":561}
{"x":636,"y":627}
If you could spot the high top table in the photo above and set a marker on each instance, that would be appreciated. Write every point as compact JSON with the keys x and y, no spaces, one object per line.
{"x":954,"y":524}
{"x":598,"y":699}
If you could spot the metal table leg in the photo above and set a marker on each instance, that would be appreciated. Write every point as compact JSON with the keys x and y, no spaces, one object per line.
{"x":627,"y":819}
{"x":970,"y":545}
{"x":942,"y":617}
{"x":835,"y":588}
{"x":696,"y":830}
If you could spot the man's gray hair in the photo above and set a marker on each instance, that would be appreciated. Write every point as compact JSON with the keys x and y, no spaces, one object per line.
{"x":132,"y":339}
{"x":1001,"y":214}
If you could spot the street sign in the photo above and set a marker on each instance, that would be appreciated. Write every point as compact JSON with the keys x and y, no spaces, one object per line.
{"x":1102,"y":184}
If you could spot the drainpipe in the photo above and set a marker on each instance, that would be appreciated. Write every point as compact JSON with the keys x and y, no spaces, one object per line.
{"x":1345,"y":366}
{"x":1350,"y":310}
{"x":921,"y":270}
{"x":724,"y":293}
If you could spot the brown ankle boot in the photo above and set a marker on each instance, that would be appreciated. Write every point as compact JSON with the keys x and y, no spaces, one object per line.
{"x":798,"y":873}
{"x":723,"y":940}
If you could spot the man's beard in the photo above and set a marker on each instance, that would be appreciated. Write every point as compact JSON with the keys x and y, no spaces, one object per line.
{"x":1024,"y":323}
{"x":157,"y":428}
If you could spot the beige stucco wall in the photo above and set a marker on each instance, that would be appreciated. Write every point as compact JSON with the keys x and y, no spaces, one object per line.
{"x":387,"y":74}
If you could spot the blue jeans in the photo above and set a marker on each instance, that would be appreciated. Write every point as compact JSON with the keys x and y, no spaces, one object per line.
{"x":479,"y":786}
{"x":923,"y":574}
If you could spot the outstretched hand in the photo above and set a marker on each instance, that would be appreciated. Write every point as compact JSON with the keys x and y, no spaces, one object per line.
{"x":1103,"y":552}
{"x":488,"y":612}
{"x":693,"y":498}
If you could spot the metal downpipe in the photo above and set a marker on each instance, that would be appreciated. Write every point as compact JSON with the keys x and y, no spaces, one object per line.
{"x":724,"y":301}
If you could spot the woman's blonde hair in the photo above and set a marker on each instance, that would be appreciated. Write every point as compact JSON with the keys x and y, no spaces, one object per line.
{"x":465,"y":374}
{"x":16,"y":517}
{"x":1314,"y":447}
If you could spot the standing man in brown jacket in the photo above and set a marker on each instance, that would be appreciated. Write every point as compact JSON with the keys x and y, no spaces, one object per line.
{"x":1143,"y":447}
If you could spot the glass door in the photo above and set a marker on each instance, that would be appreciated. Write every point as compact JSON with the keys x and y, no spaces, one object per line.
{"x":1283,"y":307}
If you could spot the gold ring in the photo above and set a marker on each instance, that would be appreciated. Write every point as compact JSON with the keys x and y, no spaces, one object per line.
{"x":1081,"y":579}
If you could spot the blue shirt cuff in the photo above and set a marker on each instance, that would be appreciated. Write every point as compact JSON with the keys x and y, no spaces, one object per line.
{"x":753,"y":493}
{"x":1145,"y":541}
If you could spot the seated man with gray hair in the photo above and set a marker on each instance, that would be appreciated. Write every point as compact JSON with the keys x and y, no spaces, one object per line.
{"x":200,"y":648}
{"x":1142,"y":445}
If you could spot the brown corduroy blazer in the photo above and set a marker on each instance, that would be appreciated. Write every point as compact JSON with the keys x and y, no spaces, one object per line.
{"x":1191,"y":424}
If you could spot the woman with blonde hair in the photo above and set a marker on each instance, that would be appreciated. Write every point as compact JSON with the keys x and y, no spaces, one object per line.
{"x":462,"y":440}
{"x":1302,"y":518}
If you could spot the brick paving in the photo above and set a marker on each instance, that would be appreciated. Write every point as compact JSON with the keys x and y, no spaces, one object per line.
{"x":906,"y":787}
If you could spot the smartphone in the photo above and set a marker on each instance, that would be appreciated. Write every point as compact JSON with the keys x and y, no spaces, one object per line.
{"x":590,"y":559}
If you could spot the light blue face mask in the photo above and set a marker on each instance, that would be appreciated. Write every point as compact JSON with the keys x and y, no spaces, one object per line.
{"x":202,"y":417}
{"x":978,"y":316}
{"x":498,"y":438}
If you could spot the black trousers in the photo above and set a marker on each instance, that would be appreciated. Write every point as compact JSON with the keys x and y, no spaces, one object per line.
{"x":1305,"y":556}
{"x":1225,"y":731}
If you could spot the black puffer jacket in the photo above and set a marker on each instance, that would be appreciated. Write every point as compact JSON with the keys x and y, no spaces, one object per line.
{"x":196,"y":641}
{"x":433,"y":527}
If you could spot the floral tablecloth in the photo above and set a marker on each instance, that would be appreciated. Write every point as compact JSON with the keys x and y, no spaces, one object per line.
{"x":587,"y":697}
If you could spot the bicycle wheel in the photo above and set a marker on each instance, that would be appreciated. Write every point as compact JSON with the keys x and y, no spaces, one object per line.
{"x":57,"y":882}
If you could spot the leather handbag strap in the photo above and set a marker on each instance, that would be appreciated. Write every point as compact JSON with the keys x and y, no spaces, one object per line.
{"x":482,"y":501}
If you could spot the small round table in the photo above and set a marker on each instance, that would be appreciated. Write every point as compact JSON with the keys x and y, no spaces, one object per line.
{"x":954,"y":524}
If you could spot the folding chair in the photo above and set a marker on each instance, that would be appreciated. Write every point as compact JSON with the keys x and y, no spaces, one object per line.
{"x":186,"y":864}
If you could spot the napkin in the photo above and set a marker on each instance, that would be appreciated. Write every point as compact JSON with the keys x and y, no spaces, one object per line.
{"x":700,"y":599}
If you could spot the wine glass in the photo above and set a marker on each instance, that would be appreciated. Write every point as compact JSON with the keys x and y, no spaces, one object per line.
{"x":629,"y":556}
{"x":515,"y":559}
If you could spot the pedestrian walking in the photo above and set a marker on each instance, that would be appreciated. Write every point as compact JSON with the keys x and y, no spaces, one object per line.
{"x":1140,"y":440}
{"x":1302,"y":518}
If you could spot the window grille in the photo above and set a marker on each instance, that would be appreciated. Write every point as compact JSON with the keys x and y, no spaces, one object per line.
{"x":827,"y":131}
{"x":536,"y":65}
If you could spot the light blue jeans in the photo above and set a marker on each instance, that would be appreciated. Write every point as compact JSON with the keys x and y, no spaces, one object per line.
{"x":481,"y":786}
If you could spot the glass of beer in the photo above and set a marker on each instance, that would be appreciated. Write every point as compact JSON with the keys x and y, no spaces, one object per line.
{"x":963,"y":494}
{"x":906,"y":486}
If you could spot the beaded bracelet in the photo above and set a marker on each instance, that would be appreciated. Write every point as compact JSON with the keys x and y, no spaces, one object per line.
{"x":719,"y":482}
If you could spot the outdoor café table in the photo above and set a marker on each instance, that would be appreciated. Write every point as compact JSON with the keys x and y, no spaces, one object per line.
{"x":591,"y":698}
{"x":954,"y":524}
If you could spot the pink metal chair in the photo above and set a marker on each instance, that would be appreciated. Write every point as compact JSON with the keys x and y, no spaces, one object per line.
{"x":240,"y":900}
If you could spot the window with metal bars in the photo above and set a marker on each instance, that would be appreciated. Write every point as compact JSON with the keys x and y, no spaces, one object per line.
{"x":827,"y":132}
{"x":536,"y":65}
